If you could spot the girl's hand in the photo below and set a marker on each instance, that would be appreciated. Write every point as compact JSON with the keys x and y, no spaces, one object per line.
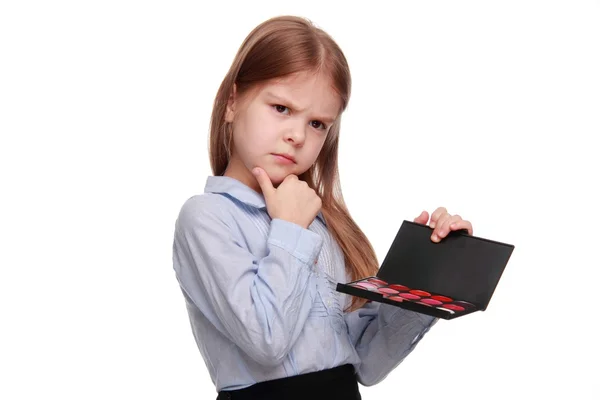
{"x":442,"y":223}
{"x":292,"y":201}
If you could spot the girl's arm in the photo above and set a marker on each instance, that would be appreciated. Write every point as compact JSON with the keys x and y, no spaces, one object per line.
{"x":383,"y":336}
{"x":260,"y":304}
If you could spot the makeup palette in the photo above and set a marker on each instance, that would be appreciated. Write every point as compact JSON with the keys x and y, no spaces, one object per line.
{"x":452,"y":278}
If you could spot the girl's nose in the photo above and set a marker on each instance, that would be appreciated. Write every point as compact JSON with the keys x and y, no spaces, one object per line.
{"x":295,"y":135}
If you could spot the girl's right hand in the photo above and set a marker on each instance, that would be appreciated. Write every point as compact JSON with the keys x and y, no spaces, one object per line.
{"x":293,"y":200}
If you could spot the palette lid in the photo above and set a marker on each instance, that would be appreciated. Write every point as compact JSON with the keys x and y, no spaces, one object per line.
{"x":460,"y":266}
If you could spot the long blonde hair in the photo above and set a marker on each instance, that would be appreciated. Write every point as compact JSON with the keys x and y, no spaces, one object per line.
{"x":276,"y":48}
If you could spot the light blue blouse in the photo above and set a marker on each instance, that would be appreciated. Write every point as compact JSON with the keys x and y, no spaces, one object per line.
{"x":261,"y":296}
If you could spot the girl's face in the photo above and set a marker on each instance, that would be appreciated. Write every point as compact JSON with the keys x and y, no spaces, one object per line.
{"x":280,"y":126}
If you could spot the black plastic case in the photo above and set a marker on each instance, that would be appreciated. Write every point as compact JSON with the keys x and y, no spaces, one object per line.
{"x":460,"y":267}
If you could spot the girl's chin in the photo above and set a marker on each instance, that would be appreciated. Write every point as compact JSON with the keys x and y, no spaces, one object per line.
{"x":277,"y":179}
{"x":277,"y":175}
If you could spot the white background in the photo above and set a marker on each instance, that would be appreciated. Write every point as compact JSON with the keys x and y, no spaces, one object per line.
{"x":488,"y":108}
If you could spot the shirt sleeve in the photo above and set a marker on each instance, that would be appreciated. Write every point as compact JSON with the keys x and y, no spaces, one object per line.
{"x":260,"y":304}
{"x":383,"y":336}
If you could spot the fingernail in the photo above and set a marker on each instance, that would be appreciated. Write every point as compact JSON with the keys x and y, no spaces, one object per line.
{"x":435,"y":237}
{"x":453,"y":225}
{"x":255,"y":171}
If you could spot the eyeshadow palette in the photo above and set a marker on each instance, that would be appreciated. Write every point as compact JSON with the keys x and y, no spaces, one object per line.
{"x":418,"y":300}
{"x":449,"y":279}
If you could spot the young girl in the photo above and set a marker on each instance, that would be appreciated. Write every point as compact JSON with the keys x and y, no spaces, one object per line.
{"x":258,"y":255}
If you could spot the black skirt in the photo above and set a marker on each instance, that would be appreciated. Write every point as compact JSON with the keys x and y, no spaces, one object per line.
{"x":331,"y":384}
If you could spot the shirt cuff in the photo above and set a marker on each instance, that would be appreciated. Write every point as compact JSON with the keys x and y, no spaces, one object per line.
{"x":302,"y":243}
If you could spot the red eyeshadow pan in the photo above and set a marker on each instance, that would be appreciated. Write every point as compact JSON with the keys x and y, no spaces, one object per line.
{"x":431,"y":302}
{"x":377,"y":282}
{"x":388,"y":291}
{"x":464,"y":304}
{"x":396,"y":298}
{"x":421,"y":293}
{"x":454,"y":307}
{"x":400,"y":288}
{"x":366,"y":285}
{"x":409,"y":296}
{"x":442,"y":298}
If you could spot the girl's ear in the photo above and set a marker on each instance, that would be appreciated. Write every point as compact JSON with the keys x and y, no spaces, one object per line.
{"x":230,"y":111}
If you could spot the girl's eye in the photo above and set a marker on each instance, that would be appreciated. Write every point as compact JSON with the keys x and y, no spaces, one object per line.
{"x":281,"y":109}
{"x":318,"y":125}
{"x":285,"y":110}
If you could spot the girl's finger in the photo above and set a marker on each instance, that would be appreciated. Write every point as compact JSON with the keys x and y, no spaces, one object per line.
{"x":462,"y":224}
{"x":437,"y":233}
{"x":423,"y":218}
{"x":264,"y":182}
{"x":436,"y":215}
{"x":444,"y":228}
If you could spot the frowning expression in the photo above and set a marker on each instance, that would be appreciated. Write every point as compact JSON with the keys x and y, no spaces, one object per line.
{"x":281,"y":126}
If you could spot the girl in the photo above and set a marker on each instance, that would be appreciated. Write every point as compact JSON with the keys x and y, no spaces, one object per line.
{"x":258,"y":255}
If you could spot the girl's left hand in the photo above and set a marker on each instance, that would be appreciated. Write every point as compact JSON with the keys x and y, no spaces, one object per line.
{"x":443,"y":222}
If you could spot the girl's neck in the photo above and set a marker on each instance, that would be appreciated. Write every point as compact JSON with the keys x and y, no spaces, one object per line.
{"x":237,"y":170}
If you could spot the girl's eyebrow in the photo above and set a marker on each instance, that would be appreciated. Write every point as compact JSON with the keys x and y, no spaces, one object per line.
{"x":293,"y":106}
